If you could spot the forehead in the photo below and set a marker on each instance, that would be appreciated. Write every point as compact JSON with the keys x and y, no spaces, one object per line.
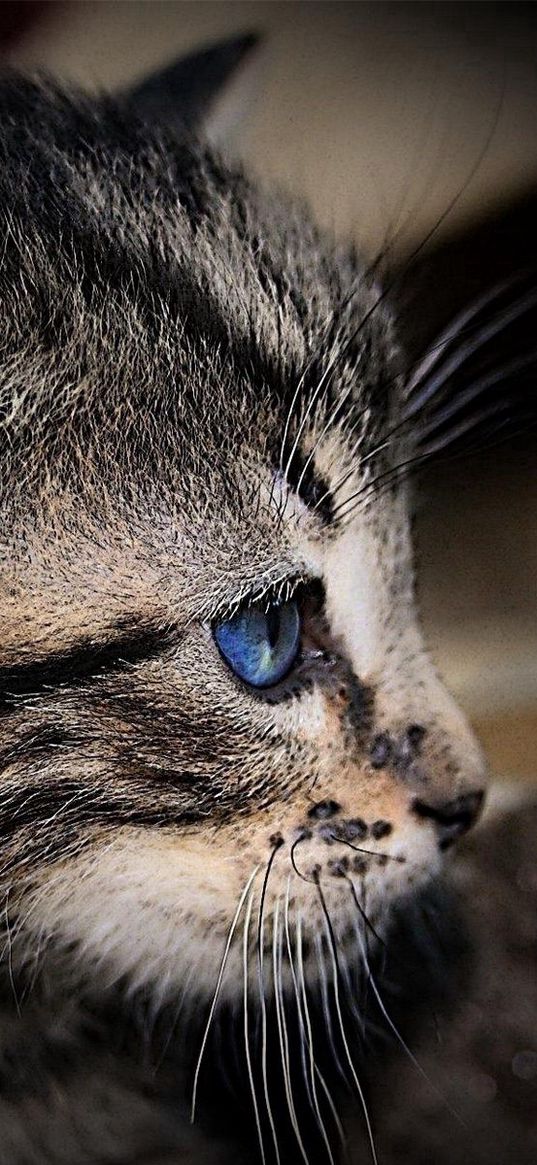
{"x":145,"y":263}
{"x":172,"y":343}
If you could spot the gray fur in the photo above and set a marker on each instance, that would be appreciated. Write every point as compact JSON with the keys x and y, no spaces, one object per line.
{"x":200,"y":403}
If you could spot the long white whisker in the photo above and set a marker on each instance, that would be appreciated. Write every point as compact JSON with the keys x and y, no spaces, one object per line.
{"x":282,"y":1028}
{"x":335,"y":981}
{"x":289,"y":417}
{"x":345,"y":973}
{"x":303,"y":1045}
{"x":350,"y":472}
{"x":314,"y":398}
{"x":306,"y":1037}
{"x":434,"y":354}
{"x":227,"y":948}
{"x":247,"y":1051}
{"x":401,"y":1041}
{"x":263,"y":1003}
{"x":431,"y":359}
{"x":488,"y":380}
{"x":382,"y":481}
{"x":449,"y":334}
{"x":432,"y":386}
{"x":343,"y":352}
{"x":314,"y":1070}
{"x":326,"y":1011}
{"x":337,"y":405}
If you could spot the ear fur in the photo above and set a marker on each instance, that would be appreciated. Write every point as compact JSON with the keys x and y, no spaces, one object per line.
{"x":183,"y":94}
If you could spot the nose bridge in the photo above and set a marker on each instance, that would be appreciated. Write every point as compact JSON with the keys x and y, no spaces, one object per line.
{"x":416,"y":731}
{"x":423,"y":737}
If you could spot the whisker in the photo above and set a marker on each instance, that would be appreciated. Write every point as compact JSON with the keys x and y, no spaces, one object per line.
{"x":338,"y":404}
{"x":282,"y":1028}
{"x":212,"y":1010}
{"x":488,"y":380}
{"x":393,"y":282}
{"x":445,"y":441}
{"x":247,"y":917}
{"x":306,"y":1040}
{"x":368,"y":487}
{"x":437,"y":417}
{"x":311,"y":404}
{"x":341,"y":481}
{"x":383,"y":948}
{"x":456,"y":328}
{"x":401,"y":1041}
{"x":306,"y":1013}
{"x":349,"y":992}
{"x":385,"y":480}
{"x":290,"y":410}
{"x":370,"y":852}
{"x":418,"y":249}
{"x":336,"y":973}
{"x":297,"y":997}
{"x":260,"y":973}
{"x":425,"y":458}
{"x":277,"y":845}
{"x":459,"y":358}
{"x":323,"y":980}
{"x":293,"y":860}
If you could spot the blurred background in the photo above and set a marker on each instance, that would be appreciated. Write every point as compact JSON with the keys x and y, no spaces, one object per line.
{"x":382,"y":116}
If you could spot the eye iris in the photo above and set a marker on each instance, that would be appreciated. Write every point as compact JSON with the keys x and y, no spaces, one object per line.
{"x":261,"y":646}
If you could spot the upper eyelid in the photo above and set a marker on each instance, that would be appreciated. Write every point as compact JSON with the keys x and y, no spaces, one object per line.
{"x":270,"y":591}
{"x":90,"y":660}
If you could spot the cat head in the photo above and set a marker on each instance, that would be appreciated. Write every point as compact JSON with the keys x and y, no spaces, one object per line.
{"x":217,"y":712}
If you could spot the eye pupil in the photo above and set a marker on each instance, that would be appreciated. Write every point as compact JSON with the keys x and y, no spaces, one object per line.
{"x":260,"y":645}
{"x":273,"y":625}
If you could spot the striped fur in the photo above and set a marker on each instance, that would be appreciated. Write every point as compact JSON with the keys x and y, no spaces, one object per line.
{"x":194,"y":385}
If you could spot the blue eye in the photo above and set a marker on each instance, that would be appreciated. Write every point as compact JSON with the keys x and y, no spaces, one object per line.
{"x":259,"y":645}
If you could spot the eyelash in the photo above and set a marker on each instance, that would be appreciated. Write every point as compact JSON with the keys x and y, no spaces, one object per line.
{"x":270,"y":595}
{"x":93,"y":661}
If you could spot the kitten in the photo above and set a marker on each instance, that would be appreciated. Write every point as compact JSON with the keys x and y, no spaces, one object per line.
{"x":227,"y":761}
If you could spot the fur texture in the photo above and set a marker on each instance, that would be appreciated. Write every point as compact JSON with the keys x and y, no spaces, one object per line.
{"x":200,"y":405}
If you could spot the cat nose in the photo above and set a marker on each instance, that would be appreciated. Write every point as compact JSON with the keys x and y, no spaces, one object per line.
{"x":452,"y":818}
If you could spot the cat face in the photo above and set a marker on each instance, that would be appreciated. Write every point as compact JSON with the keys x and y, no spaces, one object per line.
{"x":202,"y":432}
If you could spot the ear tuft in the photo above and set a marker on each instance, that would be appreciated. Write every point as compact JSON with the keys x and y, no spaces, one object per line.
{"x":183,"y":94}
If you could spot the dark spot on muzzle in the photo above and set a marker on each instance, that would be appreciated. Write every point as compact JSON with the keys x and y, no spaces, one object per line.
{"x":323,"y":810}
{"x":381,"y":829}
{"x":381,"y":750}
{"x":354,"y":829}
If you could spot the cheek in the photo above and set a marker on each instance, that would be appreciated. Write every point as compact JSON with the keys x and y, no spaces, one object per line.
{"x":157,"y":911}
{"x":148,"y":909}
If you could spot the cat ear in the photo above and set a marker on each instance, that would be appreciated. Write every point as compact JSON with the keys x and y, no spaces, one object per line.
{"x":187,"y":93}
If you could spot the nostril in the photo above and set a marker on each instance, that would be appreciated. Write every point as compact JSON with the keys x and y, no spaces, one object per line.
{"x":453,"y":818}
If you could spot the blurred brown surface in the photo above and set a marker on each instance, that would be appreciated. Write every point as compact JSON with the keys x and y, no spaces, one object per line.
{"x":376,"y":112}
{"x":380,"y":114}
{"x":17,"y":20}
{"x":510,"y":740}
